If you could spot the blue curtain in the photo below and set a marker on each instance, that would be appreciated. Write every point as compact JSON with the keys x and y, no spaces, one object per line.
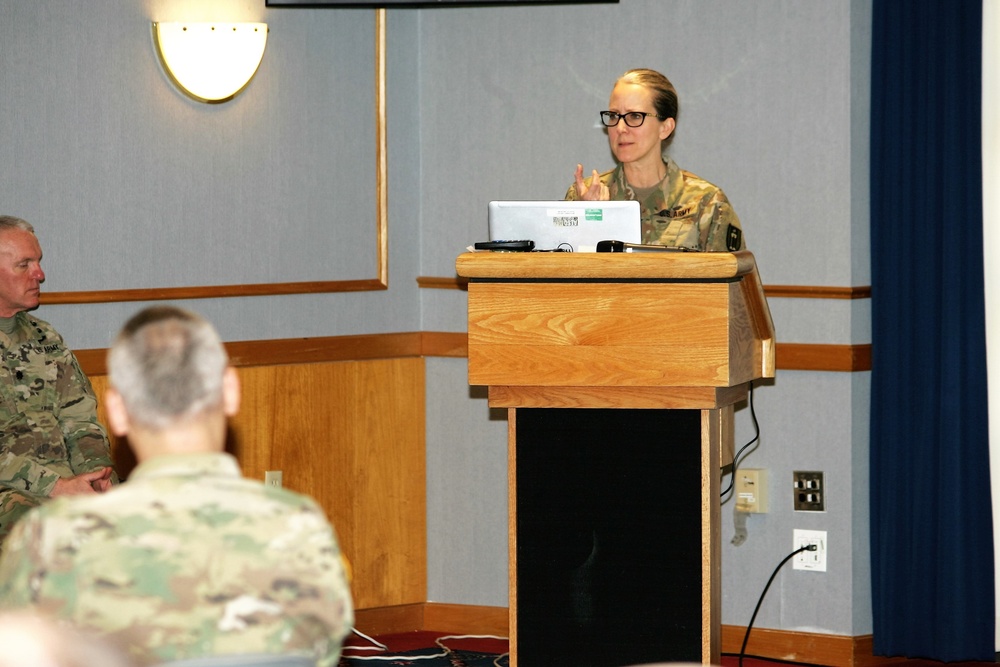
{"x":931,"y":516}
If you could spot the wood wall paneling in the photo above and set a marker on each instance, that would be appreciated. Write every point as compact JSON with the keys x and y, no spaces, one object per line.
{"x":343,"y":418}
{"x":351,"y":435}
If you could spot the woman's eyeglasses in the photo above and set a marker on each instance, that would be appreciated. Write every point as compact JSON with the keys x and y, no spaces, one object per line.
{"x":632,"y":118}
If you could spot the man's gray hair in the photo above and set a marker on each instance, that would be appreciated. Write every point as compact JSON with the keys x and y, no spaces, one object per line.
{"x":10,"y":222}
{"x":167,"y":364}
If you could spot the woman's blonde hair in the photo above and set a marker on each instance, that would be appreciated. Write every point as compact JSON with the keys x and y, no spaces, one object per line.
{"x":665,"y":99}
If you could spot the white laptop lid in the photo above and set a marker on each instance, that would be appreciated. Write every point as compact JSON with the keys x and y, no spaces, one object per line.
{"x":577,"y":226}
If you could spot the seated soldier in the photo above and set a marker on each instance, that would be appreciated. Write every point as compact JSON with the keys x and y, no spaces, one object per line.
{"x":187,"y":558}
{"x":51,"y":443}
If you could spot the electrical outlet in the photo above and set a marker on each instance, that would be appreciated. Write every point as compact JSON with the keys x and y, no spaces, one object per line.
{"x":810,"y":560}
{"x":272,"y":478}
{"x":751,"y":490}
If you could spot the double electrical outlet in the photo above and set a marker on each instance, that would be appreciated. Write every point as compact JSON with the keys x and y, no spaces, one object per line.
{"x":809,"y":560}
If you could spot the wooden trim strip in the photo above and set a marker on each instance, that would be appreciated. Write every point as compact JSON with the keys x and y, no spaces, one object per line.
{"x":805,"y":647}
{"x":210,"y":292}
{"x":381,"y":155}
{"x":438,"y":282}
{"x":466,"y":619}
{"x":272,"y":289}
{"x":382,"y":283}
{"x":332,"y":348}
{"x":433,"y":616}
{"x":444,"y":344}
{"x":390,"y":620}
{"x":816,"y":357}
{"x":243,"y":354}
{"x":817,"y":292}
{"x":773,"y":291}
{"x":793,"y":646}
{"x":512,"y":579}
{"x":788,"y":356}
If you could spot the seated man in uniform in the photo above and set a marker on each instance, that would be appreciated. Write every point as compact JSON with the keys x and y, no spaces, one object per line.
{"x":187,"y":558}
{"x":51,"y":443}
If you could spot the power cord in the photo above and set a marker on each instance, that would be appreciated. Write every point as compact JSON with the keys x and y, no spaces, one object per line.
{"x":379,"y":646}
{"x":737,"y":457}
{"x":746,"y":637}
{"x":395,"y":659}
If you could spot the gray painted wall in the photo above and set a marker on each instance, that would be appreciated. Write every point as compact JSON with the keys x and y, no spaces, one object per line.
{"x":774,"y":104}
{"x":131,"y":184}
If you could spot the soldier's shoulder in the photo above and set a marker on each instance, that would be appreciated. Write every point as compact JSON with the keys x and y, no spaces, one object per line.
{"x":39,"y":329}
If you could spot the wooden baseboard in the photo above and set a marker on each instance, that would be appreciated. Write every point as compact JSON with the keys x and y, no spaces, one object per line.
{"x":466,"y":619}
{"x":390,"y":620}
{"x":793,"y":646}
{"x":808,"y":647}
{"x":456,"y":618}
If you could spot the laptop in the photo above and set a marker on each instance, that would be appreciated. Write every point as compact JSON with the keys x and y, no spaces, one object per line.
{"x":573,"y":226}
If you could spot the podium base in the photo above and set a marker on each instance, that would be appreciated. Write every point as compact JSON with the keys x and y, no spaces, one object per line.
{"x":609,"y":536}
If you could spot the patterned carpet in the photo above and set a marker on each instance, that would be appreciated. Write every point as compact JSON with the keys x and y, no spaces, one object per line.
{"x":438,"y":649}
{"x":426,"y":649}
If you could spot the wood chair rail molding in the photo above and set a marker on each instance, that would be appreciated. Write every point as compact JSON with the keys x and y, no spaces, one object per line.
{"x":244,"y":354}
{"x":773,"y":291}
{"x":788,"y":356}
{"x":212,"y":292}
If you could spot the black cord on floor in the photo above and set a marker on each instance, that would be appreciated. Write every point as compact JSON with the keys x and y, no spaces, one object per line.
{"x":746,"y":637}
{"x":736,"y":458}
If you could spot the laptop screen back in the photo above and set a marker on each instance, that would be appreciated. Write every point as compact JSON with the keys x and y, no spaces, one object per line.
{"x":576,"y":226}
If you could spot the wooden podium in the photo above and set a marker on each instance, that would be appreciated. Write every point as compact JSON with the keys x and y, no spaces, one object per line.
{"x":620,"y":372}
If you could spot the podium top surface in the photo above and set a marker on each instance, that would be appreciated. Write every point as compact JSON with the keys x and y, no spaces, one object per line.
{"x":606,"y":265}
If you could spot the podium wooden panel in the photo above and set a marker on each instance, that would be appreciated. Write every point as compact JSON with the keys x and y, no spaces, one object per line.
{"x":620,"y":372}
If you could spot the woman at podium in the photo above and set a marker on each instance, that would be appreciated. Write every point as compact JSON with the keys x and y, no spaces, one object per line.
{"x":677,"y":208}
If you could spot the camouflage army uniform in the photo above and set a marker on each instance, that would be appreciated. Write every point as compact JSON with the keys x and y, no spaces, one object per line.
{"x":185,"y":559}
{"x":48,"y":418}
{"x":685,"y":211}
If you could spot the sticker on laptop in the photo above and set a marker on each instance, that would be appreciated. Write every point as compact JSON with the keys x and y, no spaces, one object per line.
{"x":571,"y":217}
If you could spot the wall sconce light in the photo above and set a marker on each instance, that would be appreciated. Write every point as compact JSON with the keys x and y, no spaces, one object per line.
{"x":211,"y":62}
